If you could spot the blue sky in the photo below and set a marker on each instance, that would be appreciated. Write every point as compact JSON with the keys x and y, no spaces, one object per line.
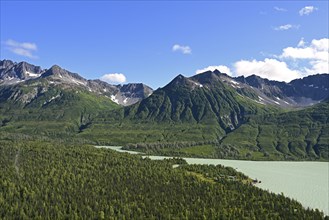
{"x":152,"y":42}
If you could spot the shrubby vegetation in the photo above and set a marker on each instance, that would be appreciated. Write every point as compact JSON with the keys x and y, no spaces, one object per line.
{"x":44,"y":180}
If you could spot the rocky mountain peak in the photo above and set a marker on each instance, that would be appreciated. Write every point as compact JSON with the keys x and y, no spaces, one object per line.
{"x":28,"y":70}
{"x":136,"y":89}
{"x":60,"y":74}
{"x":319,"y":80}
{"x":11,"y":72}
{"x":256,"y":81}
{"x":55,"y":70}
{"x":207,"y":77}
{"x":131,"y":93}
{"x":178,"y":81}
{"x":6,"y":63}
{"x":216,"y":71}
{"x":180,"y":77}
{"x":16,"y":73}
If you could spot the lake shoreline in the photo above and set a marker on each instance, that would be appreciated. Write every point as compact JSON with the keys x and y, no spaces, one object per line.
{"x":304,"y":181}
{"x":165,"y":156}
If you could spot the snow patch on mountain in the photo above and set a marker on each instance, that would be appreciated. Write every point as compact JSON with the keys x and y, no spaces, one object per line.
{"x":32,"y":75}
{"x":51,"y":99}
{"x":114,"y":99}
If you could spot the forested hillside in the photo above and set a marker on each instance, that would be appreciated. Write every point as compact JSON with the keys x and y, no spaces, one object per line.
{"x":47,"y":180}
{"x":296,"y":134}
{"x":293,"y":135}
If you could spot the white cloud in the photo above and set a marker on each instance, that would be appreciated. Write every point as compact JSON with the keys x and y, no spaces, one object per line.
{"x":306,"y":59}
{"x":307,"y":10}
{"x":321,"y":45}
{"x":269,"y":68}
{"x":114,"y":78}
{"x":298,"y":53}
{"x":286,"y":27}
{"x":293,"y":62}
{"x":317,"y":50}
{"x":317,"y":66}
{"x":280,"y":9}
{"x":316,"y":54}
{"x":182,"y":49}
{"x":221,"y":68}
{"x":301,"y":43}
{"x":25,"y":45}
{"x":25,"y":49}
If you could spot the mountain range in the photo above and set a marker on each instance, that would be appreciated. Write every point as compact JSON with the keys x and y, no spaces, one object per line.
{"x":12,"y":73}
{"x":235,"y":117}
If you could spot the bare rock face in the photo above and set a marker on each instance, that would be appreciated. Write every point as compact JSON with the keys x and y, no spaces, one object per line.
{"x":12,"y":73}
{"x":133,"y":92}
{"x":37,"y":80}
{"x":299,"y":92}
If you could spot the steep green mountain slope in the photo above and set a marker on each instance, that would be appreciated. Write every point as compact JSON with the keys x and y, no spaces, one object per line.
{"x":297,"y":134}
{"x":53,"y":181}
{"x":201,"y":109}
{"x":32,"y":109}
{"x":200,"y":99}
{"x":293,"y":135}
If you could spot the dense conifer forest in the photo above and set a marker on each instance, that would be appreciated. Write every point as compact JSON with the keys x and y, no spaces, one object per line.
{"x":44,"y":180}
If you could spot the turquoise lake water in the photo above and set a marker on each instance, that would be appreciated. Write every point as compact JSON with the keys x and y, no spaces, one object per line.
{"x":307,"y":182}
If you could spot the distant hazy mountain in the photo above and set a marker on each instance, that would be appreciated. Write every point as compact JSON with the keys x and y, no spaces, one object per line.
{"x":28,"y":75}
{"x":299,"y":92}
{"x":12,"y":73}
